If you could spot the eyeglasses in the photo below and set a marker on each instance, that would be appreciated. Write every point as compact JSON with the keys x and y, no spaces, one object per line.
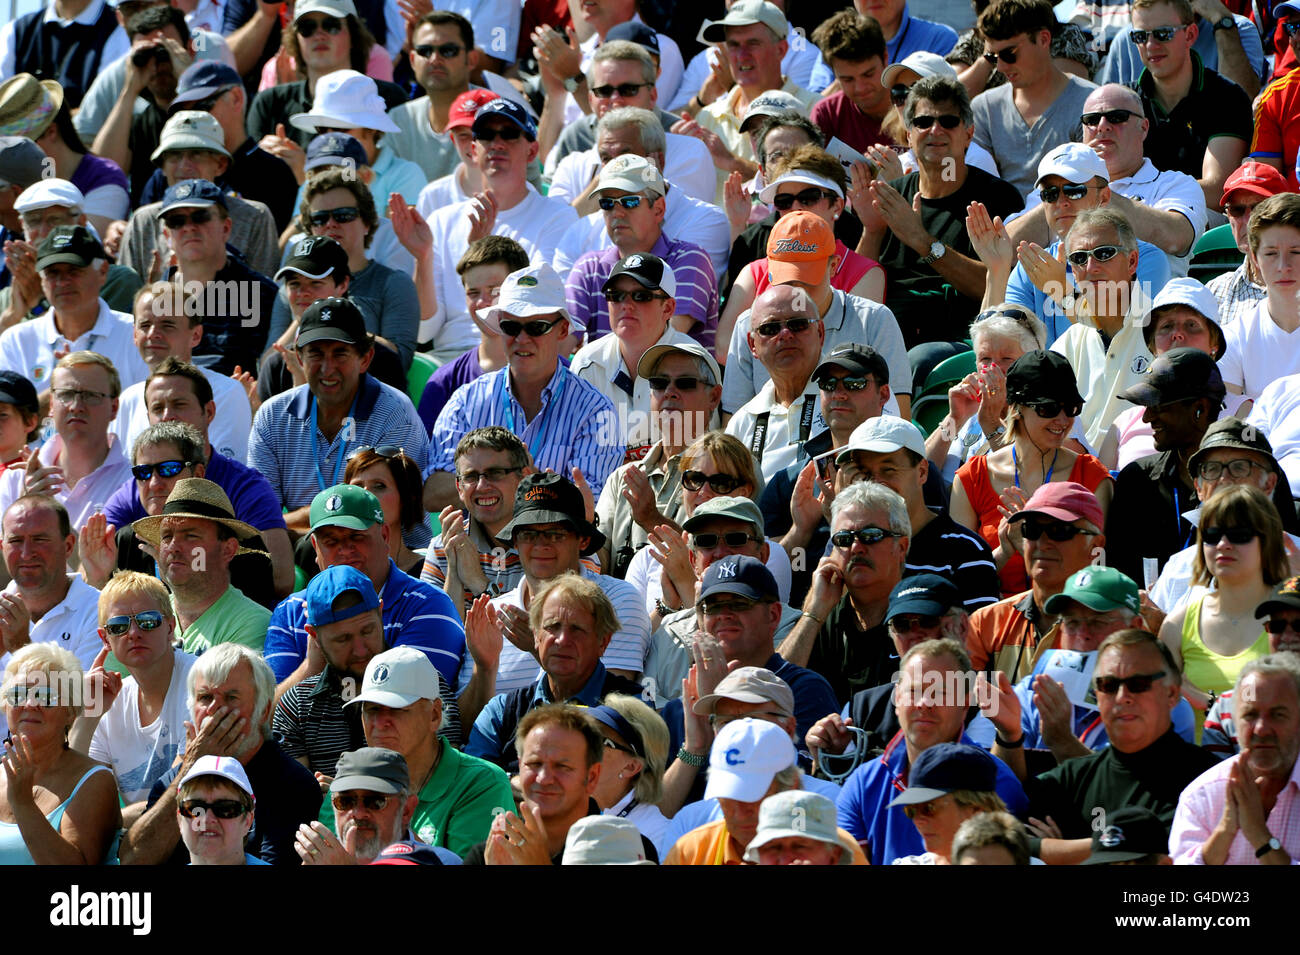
{"x":146,"y":620}
{"x":1138,"y":683}
{"x":1235,"y":535}
{"x":947,"y":121}
{"x":307,"y":28}
{"x":507,"y":133}
{"x":1236,"y":210}
{"x":925,"y":810}
{"x":718,"y":483}
{"x":1116,"y":117}
{"x":898,"y":94}
{"x":165,"y":469}
{"x":684,"y":383}
{"x":732,"y":603}
{"x":385,"y":451}
{"x":20,"y":695}
{"x":627,"y":202}
{"x":447,"y":51}
{"x":1050,"y":409}
{"x":863,"y":535}
{"x":1049,"y":194}
{"x":1278,"y":625}
{"x":179,"y":220}
{"x":1007,"y":56}
{"x":610,"y":744}
{"x":221,"y":808}
{"x":830,"y":384}
{"x":1238,"y":468}
{"x":470,"y":478}
{"x":640,"y":296}
{"x":1103,"y":253}
{"x":786,"y":200}
{"x":535,"y":329}
{"x":907,"y":622}
{"x":530,"y":535}
{"x":731,"y":539}
{"x":1291,"y":27}
{"x":346,"y":802}
{"x":33,"y":221}
{"x":625,"y":90}
{"x":1159,"y":34}
{"x":796,"y":326}
{"x":1058,"y":531}
{"x":342,"y":215}
{"x":70,"y":396}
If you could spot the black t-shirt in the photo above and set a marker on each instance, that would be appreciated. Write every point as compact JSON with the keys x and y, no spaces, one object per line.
{"x":226,"y":308}
{"x":947,"y":548}
{"x":928,"y":309}
{"x":849,"y":658}
{"x":1213,"y":107}
{"x":277,"y":104}
{"x":253,"y":174}
{"x":146,"y":133}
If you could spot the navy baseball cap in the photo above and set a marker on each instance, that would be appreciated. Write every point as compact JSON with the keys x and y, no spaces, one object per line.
{"x":18,"y":391}
{"x":191,"y":194}
{"x":332,"y":583}
{"x":503,"y":108}
{"x":944,"y":767}
{"x":409,"y":852}
{"x":203,"y":80}
{"x":1129,"y":833}
{"x":927,"y":594}
{"x":739,"y":574}
{"x":336,"y":149}
{"x":637,"y":33}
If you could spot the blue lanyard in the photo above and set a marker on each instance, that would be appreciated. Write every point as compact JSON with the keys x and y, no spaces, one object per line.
{"x":534,"y":446}
{"x":1178,"y":521}
{"x":1015,"y":464}
{"x":315,"y":444}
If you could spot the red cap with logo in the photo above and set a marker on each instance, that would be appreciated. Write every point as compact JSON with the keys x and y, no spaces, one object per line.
{"x":466,"y":106}
{"x":1063,"y":501}
{"x":799,"y":247}
{"x":1257,"y":177}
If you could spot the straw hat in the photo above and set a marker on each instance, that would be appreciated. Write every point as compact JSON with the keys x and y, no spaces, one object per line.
{"x":199,"y":498}
{"x":28,"y":105}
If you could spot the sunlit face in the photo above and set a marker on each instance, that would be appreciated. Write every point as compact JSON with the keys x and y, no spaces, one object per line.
{"x":349,"y":645}
{"x":935,"y":145}
{"x":39,"y":223}
{"x":499,"y":158}
{"x":485,"y":482}
{"x":864,"y":564}
{"x":843,"y":408}
{"x":334,"y":370}
{"x":600,"y":15}
{"x":755,"y":53}
{"x":376,"y":829}
{"x":702,"y":557}
{"x":927,"y":709}
{"x":1163,"y":58}
{"x":993,"y":350}
{"x":535,"y":356}
{"x":1228,"y":561}
{"x":743,"y":626}
{"x":1043,"y":432}
{"x":304,"y":290}
{"x":638,"y":322}
{"x":860,"y":82}
{"x":437,"y":73}
{"x":1083,"y":629}
{"x":1107,"y":284}
{"x":1278,"y":258}
{"x":378,"y":480}
{"x":210,"y":840}
{"x":482,"y":284}
{"x":1062,"y":213}
{"x":70,"y":287}
{"x":155,"y":491}
{"x":633,"y":230}
{"x":189,"y":550}
{"x":87,"y":416}
{"x":324,"y":52}
{"x":1118,"y":144}
{"x":1050,"y":563}
{"x":238,"y":693}
{"x":706,"y":464}
{"x":683,"y":413}
{"x":553,"y":772}
{"x":159,"y":335}
{"x":1181,"y":327}
{"x":548,"y":550}
{"x":42,"y":715}
{"x":404,"y":730}
{"x":799,"y":850}
{"x":1261,"y":475}
{"x":194,"y":241}
{"x":568,"y":644}
{"x":172,"y":398}
{"x":138,"y":649}
{"x":1268,"y":722}
{"x":350,"y":235}
{"x":1135,"y":720}
{"x":366,"y":550}
{"x":615,"y":73}
{"x":1238,"y":207}
{"x":1032,"y":53}
{"x":1288,"y":641}
{"x":828,"y":207}
{"x":35,"y":553}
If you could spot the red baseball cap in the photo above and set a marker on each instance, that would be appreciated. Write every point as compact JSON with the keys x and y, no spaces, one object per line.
{"x":1257,"y":177}
{"x":797,"y":250}
{"x":466,"y":106}
{"x":1064,"y":501}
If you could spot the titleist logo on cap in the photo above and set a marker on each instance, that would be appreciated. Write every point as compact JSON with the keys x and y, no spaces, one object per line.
{"x":793,"y":245}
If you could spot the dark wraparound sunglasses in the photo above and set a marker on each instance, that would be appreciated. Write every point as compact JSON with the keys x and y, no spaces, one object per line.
{"x":1116,"y":117}
{"x":1137,"y":683}
{"x":221,"y":808}
{"x":307,"y":28}
{"x":864,"y":535}
{"x":786,"y":200}
{"x":165,"y":469}
{"x":1235,"y":535}
{"x":719,"y":483}
{"x":448,"y":51}
{"x":1058,"y":531}
{"x":342,"y":215}
{"x":535,"y":329}
{"x":947,"y":121}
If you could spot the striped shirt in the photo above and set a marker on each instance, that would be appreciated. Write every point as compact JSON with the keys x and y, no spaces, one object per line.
{"x":576,"y":428}
{"x":300,"y":461}
{"x":697,"y":288}
{"x":416,"y":614}
{"x":1200,"y":807}
{"x":626,"y":651}
{"x":947,"y":548}
{"x":1237,"y":294}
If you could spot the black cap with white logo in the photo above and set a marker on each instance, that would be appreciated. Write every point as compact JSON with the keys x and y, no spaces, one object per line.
{"x":332,"y":320}
{"x":648,"y":270}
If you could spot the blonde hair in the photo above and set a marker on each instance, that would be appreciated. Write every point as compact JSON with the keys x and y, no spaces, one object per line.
{"x":654,"y":739}
{"x":93,"y":358}
{"x":728,"y":452}
{"x":55,"y":662}
{"x":133,"y":582}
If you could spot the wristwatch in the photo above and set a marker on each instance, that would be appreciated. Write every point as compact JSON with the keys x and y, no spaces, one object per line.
{"x":1273,"y":844}
{"x":572,"y":83}
{"x":937,"y":249}
{"x":1225,"y":23}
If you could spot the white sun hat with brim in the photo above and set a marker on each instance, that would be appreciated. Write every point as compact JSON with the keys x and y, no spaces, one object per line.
{"x":346,"y":99}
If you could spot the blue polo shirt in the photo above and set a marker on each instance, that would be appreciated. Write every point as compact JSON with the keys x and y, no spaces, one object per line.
{"x":416,"y":614}
{"x":863,"y":806}
{"x":250,"y":495}
{"x":913,"y":34}
{"x":485,"y":736}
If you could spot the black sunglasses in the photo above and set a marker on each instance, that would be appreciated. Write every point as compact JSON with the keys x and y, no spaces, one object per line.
{"x":307,"y":28}
{"x":221,"y":808}
{"x":341,"y":215}
{"x":719,"y":483}
{"x":898,"y":94}
{"x":1103,"y":253}
{"x":830,"y":383}
{"x":947,"y":121}
{"x":165,"y":469}
{"x":1138,"y":683}
{"x":625,"y":90}
{"x":145,"y":620}
{"x":864,"y":535}
{"x":796,"y":326}
{"x":786,"y":200}
{"x":1279,"y":625}
{"x":1116,"y":117}
{"x":731,"y":539}
{"x":1007,"y":56}
{"x":179,"y":220}
{"x":1159,"y":34}
{"x":1050,"y":194}
{"x":508,"y":133}
{"x":1050,"y":409}
{"x":1058,"y":531}
{"x":385,"y":451}
{"x":447,"y":51}
{"x":684,"y":383}
{"x":640,"y":296}
{"x":535,"y":329}
{"x":346,"y":802}
{"x":627,"y":202}
{"x":1235,"y":535}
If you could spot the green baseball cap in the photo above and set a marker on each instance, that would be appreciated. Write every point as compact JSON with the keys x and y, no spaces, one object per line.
{"x":1097,"y":588}
{"x":738,"y":508}
{"x":346,"y":505}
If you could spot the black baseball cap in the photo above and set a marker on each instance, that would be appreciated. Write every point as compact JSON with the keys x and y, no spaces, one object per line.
{"x":929,"y":595}
{"x":316,"y":256}
{"x":332,"y":320}
{"x":1232,"y":432}
{"x":637,"y":33}
{"x":648,"y":270}
{"x":203,"y":80}
{"x":73,"y":244}
{"x":17,"y":390}
{"x":336,"y":149}
{"x":853,"y":357}
{"x":549,"y":498}
{"x":1177,"y":375}
{"x":1285,"y":596}
{"x":1042,"y":376}
{"x":1130,"y":832}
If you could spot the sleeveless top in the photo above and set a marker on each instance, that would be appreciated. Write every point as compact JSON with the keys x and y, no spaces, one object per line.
{"x":851,"y":269}
{"x":1207,"y":670}
{"x":13,"y":848}
{"x":974,"y":477}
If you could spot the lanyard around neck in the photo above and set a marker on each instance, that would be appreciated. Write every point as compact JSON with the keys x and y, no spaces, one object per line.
{"x":315,"y":443}
{"x":535,"y":445}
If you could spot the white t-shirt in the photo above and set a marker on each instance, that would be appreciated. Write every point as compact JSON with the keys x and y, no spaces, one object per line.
{"x":28,"y":347}
{"x":228,"y":432}
{"x":440,"y":194}
{"x":687,"y":164}
{"x":643,"y":573}
{"x":1277,"y":415}
{"x":1258,"y":351}
{"x":537,"y":223}
{"x":139,"y":754}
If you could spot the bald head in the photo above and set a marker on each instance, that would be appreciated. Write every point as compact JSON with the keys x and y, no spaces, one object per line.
{"x":789,"y":355}
{"x":1116,"y":137}
{"x":782,"y":301}
{"x":1113,"y":96}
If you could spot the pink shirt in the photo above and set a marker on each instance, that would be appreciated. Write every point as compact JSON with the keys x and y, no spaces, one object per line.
{"x":1201,"y":806}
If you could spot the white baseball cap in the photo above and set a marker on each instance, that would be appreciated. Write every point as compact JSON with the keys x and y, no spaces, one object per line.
{"x":338,"y":8}
{"x":631,"y":173}
{"x":346,"y":99}
{"x":536,"y":290}
{"x":799,"y":175}
{"x":227,"y":767}
{"x":770,"y":103}
{"x":884,"y":434}
{"x":746,"y":755}
{"x":50,"y":192}
{"x":1073,"y":162}
{"x":921,"y":63}
{"x":398,"y":678}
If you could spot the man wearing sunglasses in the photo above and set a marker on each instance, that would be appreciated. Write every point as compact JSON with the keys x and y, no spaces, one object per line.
{"x":1137,"y":686}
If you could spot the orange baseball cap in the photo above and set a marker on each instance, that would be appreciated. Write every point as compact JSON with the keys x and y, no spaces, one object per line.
{"x":798,"y":248}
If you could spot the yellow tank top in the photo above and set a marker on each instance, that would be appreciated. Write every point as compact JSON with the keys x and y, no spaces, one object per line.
{"x":1207,"y":670}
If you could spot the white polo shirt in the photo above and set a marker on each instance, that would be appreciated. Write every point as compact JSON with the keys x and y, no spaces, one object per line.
{"x":28,"y":347}
{"x":228,"y":432}
{"x":775,"y":433}
{"x":89,"y":495}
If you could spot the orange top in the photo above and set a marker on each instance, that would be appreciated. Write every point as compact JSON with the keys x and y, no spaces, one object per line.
{"x":1003,"y":636}
{"x":710,"y":844}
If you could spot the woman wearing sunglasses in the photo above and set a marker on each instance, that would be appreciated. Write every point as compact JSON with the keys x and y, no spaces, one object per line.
{"x":635,"y":751}
{"x":1240,"y":556}
{"x":1043,"y":402}
{"x":57,"y":805}
{"x":214,"y":809}
{"x":393,"y":477}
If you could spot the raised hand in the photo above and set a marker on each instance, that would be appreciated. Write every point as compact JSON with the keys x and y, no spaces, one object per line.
{"x":410,"y":227}
{"x":292,"y":364}
{"x":39,"y":479}
{"x":999,"y":704}
{"x":588,"y":498}
{"x":316,"y":845}
{"x":483,"y":634}
{"x":515,"y":626}
{"x":737,"y":202}
{"x":101,"y":685}
{"x":989,"y":238}
{"x":805,"y":508}
{"x":830,"y":735}
{"x":222,"y":733}
{"x":249,"y":381}
{"x":20,"y":771}
{"x":97,"y":545}
{"x":888,"y":164}
{"x":638,"y":493}
{"x":1046,"y":271}
{"x":279,"y":144}
{"x":15,"y":622}
{"x":1055,"y":711}
{"x":482,"y":216}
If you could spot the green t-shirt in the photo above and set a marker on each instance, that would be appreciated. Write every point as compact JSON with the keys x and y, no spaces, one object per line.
{"x":232,"y":619}
{"x":459,"y":801}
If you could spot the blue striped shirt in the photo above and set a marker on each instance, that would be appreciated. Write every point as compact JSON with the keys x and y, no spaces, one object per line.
{"x":416,"y":614}
{"x":579,"y":430}
{"x":287,"y":453}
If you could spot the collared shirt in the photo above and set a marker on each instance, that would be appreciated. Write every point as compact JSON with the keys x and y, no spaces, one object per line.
{"x":1277,"y":124}
{"x":614,"y":513}
{"x":232,"y":618}
{"x":1237,"y":293}
{"x":294,"y":456}
{"x":71,"y":624}
{"x":687,"y":164}
{"x":461,"y":798}
{"x":600,"y":364}
{"x":28,"y":347}
{"x":1211,"y":108}
{"x":311,"y":723}
{"x":1003,"y":635}
{"x":90,"y":494}
{"x":775,"y":433}
{"x":206,"y":15}
{"x":1201,"y":807}
{"x":577,"y":426}
{"x":1123,"y":63}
